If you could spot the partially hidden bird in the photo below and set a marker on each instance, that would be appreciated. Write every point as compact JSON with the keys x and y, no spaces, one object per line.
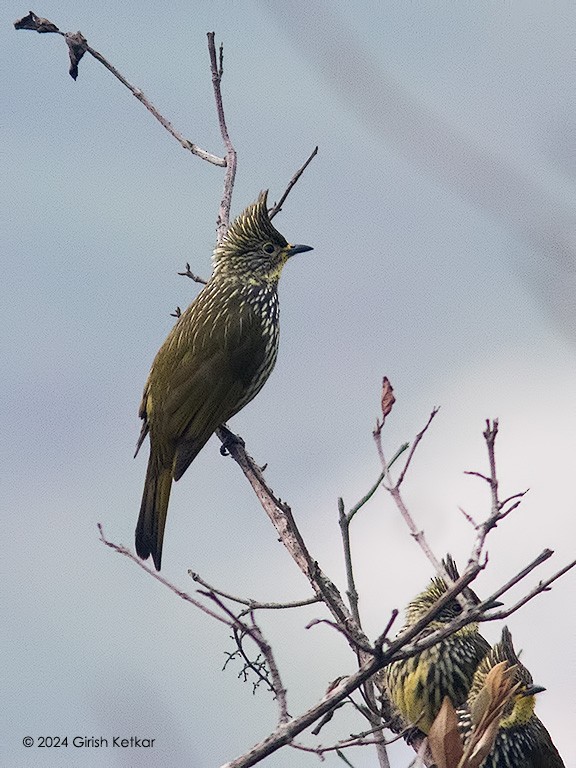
{"x":215,"y":360}
{"x":417,"y":686}
{"x":522,"y":741}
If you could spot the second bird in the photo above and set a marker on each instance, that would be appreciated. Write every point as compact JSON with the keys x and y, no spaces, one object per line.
{"x":216,"y":358}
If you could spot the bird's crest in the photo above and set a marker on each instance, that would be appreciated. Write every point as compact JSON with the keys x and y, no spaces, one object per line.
{"x":501,"y":651}
{"x":249,"y":231}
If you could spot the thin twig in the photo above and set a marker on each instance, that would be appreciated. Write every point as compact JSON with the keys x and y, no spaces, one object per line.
{"x":216,"y":67}
{"x":351,"y":590}
{"x":343,"y":744}
{"x":156,"y":574}
{"x":393,"y":489}
{"x":253,"y":604}
{"x":344,"y":520}
{"x":192,"y":276}
{"x":498,"y":509}
{"x":255,"y":666}
{"x":80,"y":44}
{"x":366,"y":647}
{"x":415,"y":444}
{"x":255,"y":633}
{"x":278,"y":206}
{"x":358,"y":506}
{"x":380,"y":640}
{"x":185,"y":143}
{"x":371,"y":711}
{"x":542,"y":586}
{"x":285,"y":733}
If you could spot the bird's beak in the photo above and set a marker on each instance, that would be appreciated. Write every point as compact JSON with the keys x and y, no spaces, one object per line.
{"x":292,"y":249}
{"x":532,"y":690}
{"x":494,"y":604}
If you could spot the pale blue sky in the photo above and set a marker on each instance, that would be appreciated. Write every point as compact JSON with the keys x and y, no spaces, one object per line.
{"x":441,"y":211}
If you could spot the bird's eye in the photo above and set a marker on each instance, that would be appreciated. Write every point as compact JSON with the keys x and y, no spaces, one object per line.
{"x":268,"y":248}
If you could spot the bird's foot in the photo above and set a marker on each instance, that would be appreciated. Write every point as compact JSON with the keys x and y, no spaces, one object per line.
{"x":228,"y":440}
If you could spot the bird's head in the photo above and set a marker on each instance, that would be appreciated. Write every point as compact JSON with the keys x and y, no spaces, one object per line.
{"x":252,"y":249}
{"x":520,"y":708}
{"x":434,"y":591}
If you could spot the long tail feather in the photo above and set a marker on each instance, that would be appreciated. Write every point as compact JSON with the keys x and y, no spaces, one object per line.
{"x":153,"y":510}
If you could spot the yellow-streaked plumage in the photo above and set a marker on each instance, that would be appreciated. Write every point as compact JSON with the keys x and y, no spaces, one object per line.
{"x":522,"y":740}
{"x":417,"y":686}
{"x":215,"y":359}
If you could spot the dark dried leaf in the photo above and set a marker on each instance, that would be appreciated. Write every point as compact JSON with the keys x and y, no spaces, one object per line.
{"x":388,"y":398}
{"x":498,"y":689}
{"x":483,"y":746}
{"x":444,"y":737}
{"x":76,"y":49}
{"x":35,"y":23}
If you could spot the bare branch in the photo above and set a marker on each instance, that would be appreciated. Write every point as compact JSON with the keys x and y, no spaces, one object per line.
{"x":400,"y":647}
{"x":286,"y":732}
{"x":278,"y":206}
{"x":415,"y":444}
{"x":351,"y":591}
{"x":542,"y":586}
{"x":192,"y":276}
{"x":403,"y":646}
{"x":253,"y":604}
{"x":216,"y":67}
{"x":366,"y":647}
{"x":382,"y":636}
{"x":156,"y":574}
{"x":255,"y":633}
{"x":78,"y":45}
{"x":344,"y":520}
{"x":394,"y":490}
{"x":366,"y":498}
{"x":498,"y":509}
{"x":282,"y":519}
{"x":352,"y":741}
{"x":490,"y":434}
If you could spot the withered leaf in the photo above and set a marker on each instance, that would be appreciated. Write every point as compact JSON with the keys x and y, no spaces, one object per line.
{"x":388,"y":398}
{"x":486,"y":712}
{"x":35,"y":23}
{"x":444,"y":737}
{"x":76,"y":49}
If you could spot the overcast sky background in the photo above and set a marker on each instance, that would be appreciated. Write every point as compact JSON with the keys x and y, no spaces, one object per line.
{"x":441,"y":211}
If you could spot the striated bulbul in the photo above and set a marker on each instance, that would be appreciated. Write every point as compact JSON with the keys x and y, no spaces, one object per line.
{"x":216,"y":358}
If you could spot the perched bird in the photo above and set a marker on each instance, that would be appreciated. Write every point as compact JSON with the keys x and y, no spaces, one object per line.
{"x":215,"y":359}
{"x":417,"y":686}
{"x":522,"y":740}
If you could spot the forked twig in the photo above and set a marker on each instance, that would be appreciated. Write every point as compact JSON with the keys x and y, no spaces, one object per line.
{"x":282,"y":519}
{"x":253,"y":604}
{"x":78,"y":45}
{"x":255,"y":633}
{"x":157,"y":575}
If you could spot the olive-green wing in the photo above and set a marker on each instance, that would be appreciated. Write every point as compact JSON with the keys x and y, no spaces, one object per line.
{"x":210,"y":384}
